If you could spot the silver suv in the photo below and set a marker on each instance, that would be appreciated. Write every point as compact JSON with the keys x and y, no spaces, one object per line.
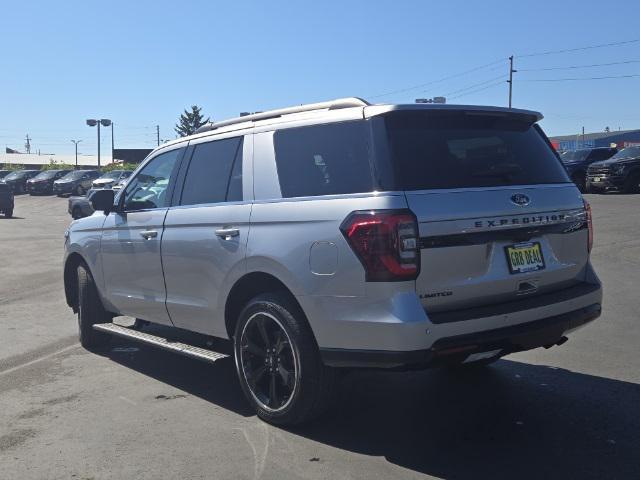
{"x":340,"y":234}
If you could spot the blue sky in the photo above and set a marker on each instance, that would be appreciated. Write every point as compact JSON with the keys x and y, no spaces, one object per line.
{"x":141,"y":63}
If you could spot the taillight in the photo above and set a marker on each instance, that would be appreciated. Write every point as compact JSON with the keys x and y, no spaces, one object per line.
{"x":587,"y":211}
{"x":385,"y":242}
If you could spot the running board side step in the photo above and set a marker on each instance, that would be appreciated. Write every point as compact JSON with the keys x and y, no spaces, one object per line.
{"x":177,"y":347}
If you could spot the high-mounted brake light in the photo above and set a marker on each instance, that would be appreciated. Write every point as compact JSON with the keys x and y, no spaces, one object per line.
{"x":385,"y":242}
{"x":587,"y":211}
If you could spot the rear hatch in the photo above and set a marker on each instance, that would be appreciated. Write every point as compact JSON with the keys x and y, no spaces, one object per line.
{"x":498,"y":217}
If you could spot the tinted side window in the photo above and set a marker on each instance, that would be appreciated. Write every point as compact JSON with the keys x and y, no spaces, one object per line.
{"x":148,"y":189}
{"x":600,"y":154}
{"x":209,"y":177}
{"x":323,"y":159}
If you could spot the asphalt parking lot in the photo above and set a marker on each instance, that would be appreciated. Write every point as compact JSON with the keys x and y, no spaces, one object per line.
{"x":135,"y":412}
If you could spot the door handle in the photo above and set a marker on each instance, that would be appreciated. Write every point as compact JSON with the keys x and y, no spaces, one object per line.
{"x":149,"y":234}
{"x":228,"y":233}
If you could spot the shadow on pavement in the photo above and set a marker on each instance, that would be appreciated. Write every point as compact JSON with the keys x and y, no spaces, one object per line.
{"x":511,"y":420}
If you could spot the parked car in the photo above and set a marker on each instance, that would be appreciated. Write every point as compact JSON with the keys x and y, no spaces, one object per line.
{"x":43,"y":182}
{"x":4,"y":173}
{"x":77,"y":181}
{"x":6,"y":200}
{"x":109,"y":179}
{"x":577,"y":161}
{"x":119,"y":185}
{"x":619,"y":173}
{"x":79,"y":207}
{"x":17,"y":180}
{"x":341,"y":235}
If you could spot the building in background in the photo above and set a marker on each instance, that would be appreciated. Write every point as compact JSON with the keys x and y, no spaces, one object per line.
{"x":622,"y":139}
{"x":35,"y":161}
{"x":130,"y":155}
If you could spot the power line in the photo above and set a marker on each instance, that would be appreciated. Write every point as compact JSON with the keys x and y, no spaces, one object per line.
{"x":568,"y":50}
{"x":577,"y":66}
{"x":415,"y":87}
{"x":476,"y":85}
{"x":579,"y":78}
{"x":478,"y":90}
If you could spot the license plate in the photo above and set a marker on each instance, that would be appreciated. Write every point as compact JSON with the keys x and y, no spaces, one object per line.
{"x":596,"y":179}
{"x":524,"y":257}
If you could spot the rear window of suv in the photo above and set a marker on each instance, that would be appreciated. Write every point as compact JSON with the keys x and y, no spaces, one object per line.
{"x":443,"y":150}
{"x":324,"y":159}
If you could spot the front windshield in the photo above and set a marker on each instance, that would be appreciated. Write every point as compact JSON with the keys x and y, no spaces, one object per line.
{"x":574,"y":156}
{"x":628,"y":152}
{"x":73,"y":175}
{"x":46,"y":175}
{"x":15,"y":175}
{"x":112,"y":175}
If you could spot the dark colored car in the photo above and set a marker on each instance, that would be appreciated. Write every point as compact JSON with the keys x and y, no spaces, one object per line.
{"x":109,"y":179}
{"x":619,"y":173}
{"x":18,"y":180}
{"x":77,"y":182}
{"x":4,"y":173}
{"x":576,"y":163}
{"x":79,"y":207}
{"x":6,"y":200}
{"x":43,"y":182}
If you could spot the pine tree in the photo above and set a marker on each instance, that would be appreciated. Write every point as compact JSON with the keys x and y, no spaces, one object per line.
{"x":190,"y":121}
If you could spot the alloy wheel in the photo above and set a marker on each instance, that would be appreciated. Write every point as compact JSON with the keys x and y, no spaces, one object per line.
{"x":268,"y":362}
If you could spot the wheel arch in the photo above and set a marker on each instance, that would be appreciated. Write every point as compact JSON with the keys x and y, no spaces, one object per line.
{"x":71,"y":279}
{"x":249,"y":286}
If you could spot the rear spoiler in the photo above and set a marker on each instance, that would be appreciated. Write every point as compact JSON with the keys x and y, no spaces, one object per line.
{"x":530,"y":115}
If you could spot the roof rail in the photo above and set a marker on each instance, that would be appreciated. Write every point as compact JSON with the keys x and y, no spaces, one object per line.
{"x":330,"y":105}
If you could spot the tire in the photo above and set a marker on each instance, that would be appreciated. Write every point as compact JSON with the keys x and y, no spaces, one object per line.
{"x":76,"y":213}
{"x":90,"y":312}
{"x":79,"y":190}
{"x":581,"y":182}
{"x":8,"y":213}
{"x":632,"y":184}
{"x":306,"y":388}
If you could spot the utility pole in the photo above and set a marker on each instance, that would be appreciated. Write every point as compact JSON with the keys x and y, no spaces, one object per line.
{"x":27,"y":144}
{"x":582,"y":137}
{"x":510,"y":81}
{"x":158,"y":134}
{"x":76,"y":142}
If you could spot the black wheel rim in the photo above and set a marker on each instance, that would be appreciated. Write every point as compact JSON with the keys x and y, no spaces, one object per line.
{"x":268,"y":362}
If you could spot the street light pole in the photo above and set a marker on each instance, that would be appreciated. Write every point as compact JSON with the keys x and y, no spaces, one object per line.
{"x":98,"y":144}
{"x":112,"y":159}
{"x":105,"y":122}
{"x":76,"y":142}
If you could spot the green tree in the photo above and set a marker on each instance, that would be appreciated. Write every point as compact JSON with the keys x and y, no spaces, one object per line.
{"x":190,"y":121}
{"x":53,"y":165}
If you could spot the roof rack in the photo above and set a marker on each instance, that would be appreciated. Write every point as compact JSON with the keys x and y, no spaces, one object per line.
{"x":330,"y":105}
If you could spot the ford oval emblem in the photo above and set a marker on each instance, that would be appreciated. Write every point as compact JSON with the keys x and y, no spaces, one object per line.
{"x":520,"y":199}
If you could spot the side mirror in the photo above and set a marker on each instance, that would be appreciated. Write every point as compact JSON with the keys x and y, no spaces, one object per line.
{"x":102,"y":200}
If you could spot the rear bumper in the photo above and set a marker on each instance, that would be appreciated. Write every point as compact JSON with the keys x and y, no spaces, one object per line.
{"x":515,"y":338}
